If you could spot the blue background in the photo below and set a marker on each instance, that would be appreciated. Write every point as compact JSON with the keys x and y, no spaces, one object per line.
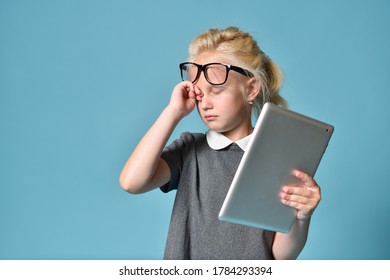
{"x":82,"y":81}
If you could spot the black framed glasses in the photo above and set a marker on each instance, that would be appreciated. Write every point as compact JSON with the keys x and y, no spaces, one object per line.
{"x":215,"y":73}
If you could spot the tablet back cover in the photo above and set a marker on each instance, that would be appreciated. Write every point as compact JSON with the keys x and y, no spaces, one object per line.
{"x":282,"y":141}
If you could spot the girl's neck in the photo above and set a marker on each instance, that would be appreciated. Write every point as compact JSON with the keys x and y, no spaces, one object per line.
{"x":238,"y":134}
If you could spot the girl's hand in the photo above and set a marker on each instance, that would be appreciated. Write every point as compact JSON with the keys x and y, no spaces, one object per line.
{"x":304,"y":196}
{"x":184,"y":98}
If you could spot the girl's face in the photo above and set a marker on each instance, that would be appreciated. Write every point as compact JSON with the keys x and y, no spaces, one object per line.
{"x":224,"y":108}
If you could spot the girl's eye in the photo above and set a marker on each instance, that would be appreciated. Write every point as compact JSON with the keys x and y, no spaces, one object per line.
{"x":216,"y":90}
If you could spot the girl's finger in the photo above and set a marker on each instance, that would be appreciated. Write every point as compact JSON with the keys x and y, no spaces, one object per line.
{"x":305,"y":178}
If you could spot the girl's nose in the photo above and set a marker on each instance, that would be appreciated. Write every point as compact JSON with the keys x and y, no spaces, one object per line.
{"x":206,"y":102}
{"x":205,"y":88}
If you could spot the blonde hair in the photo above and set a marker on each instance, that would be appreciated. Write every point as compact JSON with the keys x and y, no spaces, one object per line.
{"x":241,"y":44}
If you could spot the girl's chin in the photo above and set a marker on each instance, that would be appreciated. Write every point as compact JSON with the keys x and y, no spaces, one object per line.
{"x":216,"y":127}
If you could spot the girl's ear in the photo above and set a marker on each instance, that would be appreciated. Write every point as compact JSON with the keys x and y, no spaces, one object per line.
{"x":253,"y":86}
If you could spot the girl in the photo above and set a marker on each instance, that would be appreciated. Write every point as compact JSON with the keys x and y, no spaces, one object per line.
{"x":227,"y":77}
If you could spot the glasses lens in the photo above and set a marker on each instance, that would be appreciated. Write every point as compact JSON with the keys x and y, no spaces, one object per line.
{"x":189,"y":72}
{"x":216,"y":73}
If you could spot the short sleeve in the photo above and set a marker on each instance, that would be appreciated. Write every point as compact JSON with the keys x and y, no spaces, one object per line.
{"x":179,"y":155}
{"x":173,"y":156}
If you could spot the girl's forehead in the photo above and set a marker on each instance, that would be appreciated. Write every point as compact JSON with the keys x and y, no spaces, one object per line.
{"x":215,"y":56}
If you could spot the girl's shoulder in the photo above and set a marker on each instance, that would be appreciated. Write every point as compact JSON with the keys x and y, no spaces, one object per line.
{"x":189,"y":141}
{"x":191,"y":136}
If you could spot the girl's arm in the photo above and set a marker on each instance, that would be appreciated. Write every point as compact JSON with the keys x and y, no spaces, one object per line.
{"x":144,"y":169}
{"x":305,"y":197}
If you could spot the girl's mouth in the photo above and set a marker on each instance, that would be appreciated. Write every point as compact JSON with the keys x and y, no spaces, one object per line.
{"x":210,"y":117}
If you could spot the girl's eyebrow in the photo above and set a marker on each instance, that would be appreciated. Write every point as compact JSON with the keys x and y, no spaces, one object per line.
{"x":209,"y":86}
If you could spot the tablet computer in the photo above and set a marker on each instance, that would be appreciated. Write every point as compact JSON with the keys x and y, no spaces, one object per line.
{"x":282,"y":141}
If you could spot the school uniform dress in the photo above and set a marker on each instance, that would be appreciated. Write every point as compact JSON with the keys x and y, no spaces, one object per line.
{"x":202,"y":168}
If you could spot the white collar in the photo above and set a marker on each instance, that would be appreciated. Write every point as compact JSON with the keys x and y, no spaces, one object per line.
{"x":218,"y":141}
